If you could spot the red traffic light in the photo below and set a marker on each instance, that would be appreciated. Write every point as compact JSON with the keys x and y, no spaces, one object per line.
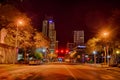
{"x":67,"y":51}
{"x":62,"y":51}
{"x":56,"y":51}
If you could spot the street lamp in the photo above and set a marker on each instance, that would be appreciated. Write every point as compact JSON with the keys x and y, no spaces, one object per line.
{"x":117,"y":52}
{"x":45,"y":53}
{"x":19,"y":23}
{"x":94,"y":52}
{"x":105,"y":35}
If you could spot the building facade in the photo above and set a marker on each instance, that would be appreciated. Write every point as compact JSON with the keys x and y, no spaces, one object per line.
{"x":8,"y":53}
{"x":79,"y":37}
{"x":45,"y":28}
{"x":49,"y":31}
{"x":79,"y":46}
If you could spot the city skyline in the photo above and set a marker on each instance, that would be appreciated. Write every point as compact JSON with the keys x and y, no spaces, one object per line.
{"x":59,"y":39}
{"x":90,"y":16}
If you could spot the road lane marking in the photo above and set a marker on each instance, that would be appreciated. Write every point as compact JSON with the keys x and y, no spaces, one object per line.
{"x":70,"y":72}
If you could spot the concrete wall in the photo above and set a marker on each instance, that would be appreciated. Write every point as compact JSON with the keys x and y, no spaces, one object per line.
{"x":8,"y":54}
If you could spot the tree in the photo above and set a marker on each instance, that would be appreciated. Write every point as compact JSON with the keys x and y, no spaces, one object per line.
{"x":8,"y":19}
{"x":9,"y":16}
{"x":38,"y":55}
{"x":92,"y":45}
{"x":40,"y":40}
{"x":27,"y":36}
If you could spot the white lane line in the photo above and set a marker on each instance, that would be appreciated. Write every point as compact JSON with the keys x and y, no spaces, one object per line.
{"x":70,"y":72}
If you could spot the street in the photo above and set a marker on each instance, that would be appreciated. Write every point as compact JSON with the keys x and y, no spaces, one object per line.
{"x":56,"y":72}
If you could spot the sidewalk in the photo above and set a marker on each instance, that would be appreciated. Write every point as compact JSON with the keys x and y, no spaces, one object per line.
{"x":100,"y":66}
{"x":93,"y":65}
{"x":8,"y":65}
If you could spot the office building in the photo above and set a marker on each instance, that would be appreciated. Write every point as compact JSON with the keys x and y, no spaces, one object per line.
{"x":49,"y":31}
{"x":79,"y":37}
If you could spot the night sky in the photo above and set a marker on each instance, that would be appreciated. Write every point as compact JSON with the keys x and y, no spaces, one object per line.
{"x":69,"y":15}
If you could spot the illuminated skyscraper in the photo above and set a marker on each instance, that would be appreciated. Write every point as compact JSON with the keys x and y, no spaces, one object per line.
{"x":45,"y":28}
{"x":79,"y":37}
{"x":80,"y":47}
{"x":49,"y":31}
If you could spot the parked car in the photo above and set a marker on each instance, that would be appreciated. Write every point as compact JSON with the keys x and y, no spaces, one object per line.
{"x":67,"y":60}
{"x":35,"y":62}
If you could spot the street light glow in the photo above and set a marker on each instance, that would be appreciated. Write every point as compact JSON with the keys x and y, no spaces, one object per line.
{"x":20,"y":22}
{"x":117,"y":52}
{"x":105,"y":33}
{"x":94,"y":52}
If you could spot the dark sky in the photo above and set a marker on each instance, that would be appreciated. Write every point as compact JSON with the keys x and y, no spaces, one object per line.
{"x":69,"y":15}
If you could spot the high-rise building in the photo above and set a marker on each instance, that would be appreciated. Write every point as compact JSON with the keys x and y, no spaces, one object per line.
{"x":45,"y":28}
{"x":49,"y":31}
{"x":79,"y":45}
{"x":79,"y":37}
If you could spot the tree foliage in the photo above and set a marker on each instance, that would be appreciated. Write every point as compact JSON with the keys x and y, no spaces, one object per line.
{"x":38,"y":55}
{"x":9,"y":16}
{"x":25,"y":34}
{"x":40,"y":40}
{"x":93,"y":44}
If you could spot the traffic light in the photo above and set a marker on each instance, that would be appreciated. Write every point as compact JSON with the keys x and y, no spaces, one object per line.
{"x":56,"y":51}
{"x":66,"y":50}
{"x":62,"y":51}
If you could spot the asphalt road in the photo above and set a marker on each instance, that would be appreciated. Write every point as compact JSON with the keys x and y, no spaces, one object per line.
{"x":56,"y":72}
